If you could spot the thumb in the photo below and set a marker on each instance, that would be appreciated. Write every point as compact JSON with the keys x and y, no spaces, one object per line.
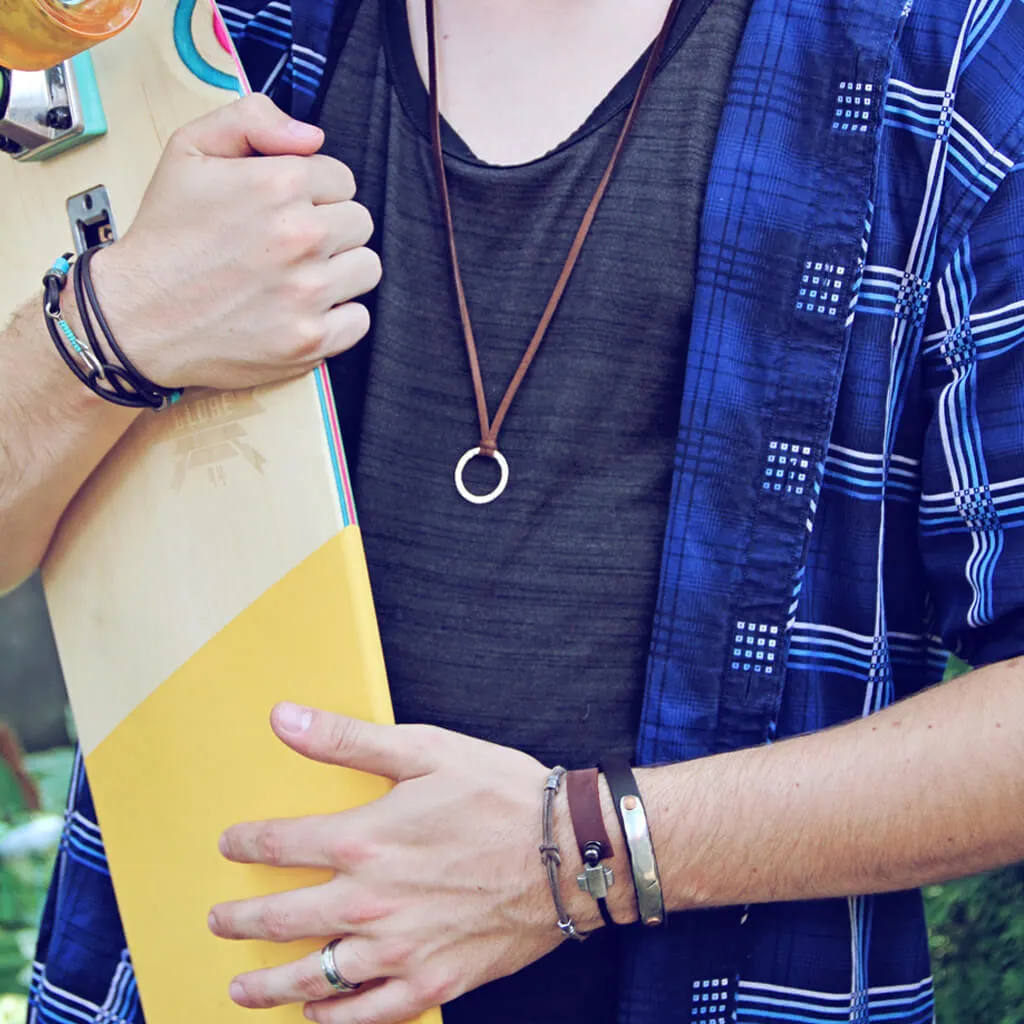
{"x":394,"y":752}
{"x":252,"y":126}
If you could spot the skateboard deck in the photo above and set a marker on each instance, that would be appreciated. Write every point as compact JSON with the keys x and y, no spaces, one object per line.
{"x":211,"y":567}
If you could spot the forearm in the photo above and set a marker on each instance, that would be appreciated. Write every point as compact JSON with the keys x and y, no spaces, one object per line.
{"x":260,"y":263}
{"x":926,"y":790}
{"x":53,"y":434}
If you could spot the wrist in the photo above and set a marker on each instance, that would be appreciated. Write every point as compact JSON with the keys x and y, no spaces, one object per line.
{"x":621,"y":900}
{"x":582,"y":907}
{"x":63,"y":389}
{"x":78,"y":395}
{"x":126,"y":310}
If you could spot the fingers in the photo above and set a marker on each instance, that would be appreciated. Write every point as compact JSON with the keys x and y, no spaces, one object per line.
{"x":343,"y":327}
{"x":351,"y":274}
{"x":395,"y":752}
{"x":327,"y":320}
{"x":313,"y":234}
{"x":282,"y":917}
{"x":284,"y":843}
{"x":304,"y":980}
{"x":330,"y":181}
{"x":286,"y":181}
{"x":393,"y":1002}
{"x":249,"y":127}
{"x":349,"y":225}
{"x":320,"y":337}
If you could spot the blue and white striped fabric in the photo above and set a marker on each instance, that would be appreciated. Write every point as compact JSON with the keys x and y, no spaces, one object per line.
{"x":849,"y":476}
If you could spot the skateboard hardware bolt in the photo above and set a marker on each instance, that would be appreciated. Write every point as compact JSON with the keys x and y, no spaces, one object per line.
{"x":59,"y":118}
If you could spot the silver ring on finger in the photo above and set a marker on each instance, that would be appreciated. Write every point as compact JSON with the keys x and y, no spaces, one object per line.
{"x":329,"y":966}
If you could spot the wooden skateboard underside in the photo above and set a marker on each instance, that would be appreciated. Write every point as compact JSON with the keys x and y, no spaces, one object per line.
{"x":211,"y":567}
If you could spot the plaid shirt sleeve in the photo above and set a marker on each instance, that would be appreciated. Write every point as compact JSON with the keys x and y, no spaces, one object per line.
{"x":284,"y":48}
{"x":972,"y":501}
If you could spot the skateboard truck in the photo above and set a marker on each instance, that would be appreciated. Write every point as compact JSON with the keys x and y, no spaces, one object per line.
{"x":43,"y":113}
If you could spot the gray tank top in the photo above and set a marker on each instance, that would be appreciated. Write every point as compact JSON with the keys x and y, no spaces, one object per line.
{"x":525,"y":622}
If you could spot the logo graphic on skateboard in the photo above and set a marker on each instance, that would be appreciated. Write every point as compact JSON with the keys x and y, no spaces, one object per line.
{"x":208,"y":433}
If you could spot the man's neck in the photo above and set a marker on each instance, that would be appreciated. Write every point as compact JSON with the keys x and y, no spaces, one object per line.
{"x":518,"y":78}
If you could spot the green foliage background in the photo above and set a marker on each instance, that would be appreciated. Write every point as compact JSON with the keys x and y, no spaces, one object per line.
{"x":976,"y":927}
{"x":24,"y":877}
{"x":977,"y":940}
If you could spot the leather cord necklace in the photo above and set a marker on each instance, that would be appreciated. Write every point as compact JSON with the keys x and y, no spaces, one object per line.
{"x":489,"y":428}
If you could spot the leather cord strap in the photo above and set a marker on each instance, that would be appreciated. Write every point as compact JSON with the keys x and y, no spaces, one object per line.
{"x":489,"y":428}
{"x":591,"y":837}
{"x":629,"y":807}
{"x":585,"y":811}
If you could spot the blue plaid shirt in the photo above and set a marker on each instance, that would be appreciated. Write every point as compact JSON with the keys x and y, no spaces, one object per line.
{"x":849,"y":476}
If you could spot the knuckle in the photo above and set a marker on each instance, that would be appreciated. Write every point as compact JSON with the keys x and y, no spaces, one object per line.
{"x":356,"y":325}
{"x":366,"y":911}
{"x":284,"y":179}
{"x":302,"y":236}
{"x":423,"y":741}
{"x":341,"y":735}
{"x":275,"y":924}
{"x":256,"y":108}
{"x":371,"y":269}
{"x":310,"y":987}
{"x":346,"y":179}
{"x":176,"y":139}
{"x":358,"y":966}
{"x":257,"y":102}
{"x":394,"y":954}
{"x":310,"y":335}
{"x":347,"y":852}
{"x":363,"y":226}
{"x":180,"y":140}
{"x":360,"y":321}
{"x":269,"y":848}
{"x":361,"y":269}
{"x":351,"y":323}
{"x":306,"y":288}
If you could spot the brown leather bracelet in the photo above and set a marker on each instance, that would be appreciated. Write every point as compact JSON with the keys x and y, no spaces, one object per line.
{"x":591,"y":837}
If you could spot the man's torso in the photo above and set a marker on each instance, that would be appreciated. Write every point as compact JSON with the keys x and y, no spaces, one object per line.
{"x":526,"y":622}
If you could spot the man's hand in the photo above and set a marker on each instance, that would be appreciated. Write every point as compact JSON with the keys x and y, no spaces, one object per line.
{"x":240,"y":268}
{"x":238,"y":271}
{"x":439,"y":885}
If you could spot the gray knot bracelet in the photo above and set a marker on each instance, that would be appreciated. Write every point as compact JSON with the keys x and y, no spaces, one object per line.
{"x":551,"y":854}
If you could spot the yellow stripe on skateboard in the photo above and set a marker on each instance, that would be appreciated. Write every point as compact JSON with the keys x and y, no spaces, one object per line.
{"x":198,"y":755}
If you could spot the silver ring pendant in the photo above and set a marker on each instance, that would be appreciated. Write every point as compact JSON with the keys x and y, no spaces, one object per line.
{"x":480,"y":499}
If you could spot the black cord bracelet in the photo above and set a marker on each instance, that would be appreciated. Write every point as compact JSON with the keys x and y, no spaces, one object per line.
{"x":79,"y":357}
{"x":111,"y":374}
{"x":60,"y":332}
{"x":142,"y":384}
{"x":117,"y":382}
